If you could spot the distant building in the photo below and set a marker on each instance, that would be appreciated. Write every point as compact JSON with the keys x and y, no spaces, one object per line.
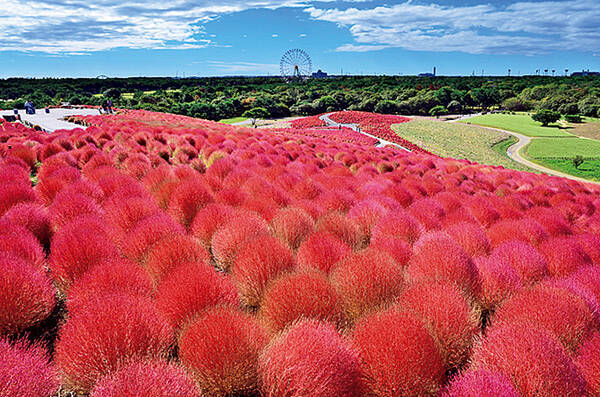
{"x":584,"y":73}
{"x":429,"y":74}
{"x":319,"y":74}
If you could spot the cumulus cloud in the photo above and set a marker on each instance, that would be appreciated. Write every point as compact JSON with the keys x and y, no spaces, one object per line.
{"x":70,"y":26}
{"x":528,"y":28}
{"x":242,"y":67}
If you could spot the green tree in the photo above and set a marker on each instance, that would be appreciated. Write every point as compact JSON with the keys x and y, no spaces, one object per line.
{"x":546,"y":116}
{"x":486,"y":96}
{"x":437,"y":111}
{"x":255,"y":114}
{"x":112,"y":93}
{"x":577,"y":161}
{"x":386,"y":107}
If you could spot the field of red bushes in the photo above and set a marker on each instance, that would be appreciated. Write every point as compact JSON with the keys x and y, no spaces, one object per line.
{"x":149,"y":254}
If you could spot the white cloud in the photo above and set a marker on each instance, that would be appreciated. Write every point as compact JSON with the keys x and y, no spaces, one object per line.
{"x":302,"y":35}
{"x":528,"y":28}
{"x":242,"y":67}
{"x":275,"y":35}
{"x":67,"y":26}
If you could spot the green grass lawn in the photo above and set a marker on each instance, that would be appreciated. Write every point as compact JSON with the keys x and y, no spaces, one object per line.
{"x":233,"y":120}
{"x":519,"y":123}
{"x":460,"y":141}
{"x":563,"y":147}
{"x":590,"y":169}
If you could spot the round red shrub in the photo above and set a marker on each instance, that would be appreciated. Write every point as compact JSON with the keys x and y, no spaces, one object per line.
{"x":154,"y":378}
{"x":471,"y":237}
{"x":321,"y":251}
{"x":67,"y":207}
{"x":114,"y":331}
{"x":498,"y":281}
{"x":400,"y":225}
{"x":230,"y":236}
{"x":557,"y":310}
{"x":76,"y":247}
{"x":33,"y":217}
{"x":527,"y":230}
{"x":310,"y":358}
{"x":437,"y":257}
{"x":448,"y":317}
{"x":536,"y":363}
{"x":191,"y":289}
{"x":172,"y":251}
{"x":483,"y":210}
{"x":220,"y":348}
{"x":295,"y":296}
{"x":365,"y":215}
{"x":258,"y":261}
{"x":292,"y":225}
{"x":552,"y":220}
{"x":112,"y":276}
{"x":481,"y":384}
{"x":365,"y":281}
{"x":428,"y":212}
{"x":188,"y":197}
{"x":341,"y":227}
{"x":564,"y":255}
{"x":14,"y":175}
{"x":207,"y":220}
{"x":526,"y":260}
{"x":398,"y":356}
{"x":125,"y":214}
{"x":26,"y":295}
{"x":25,"y":370}
{"x":13,"y":194}
{"x":18,"y":241}
{"x":148,"y":232}
{"x":590,"y":243}
{"x":588,"y":362}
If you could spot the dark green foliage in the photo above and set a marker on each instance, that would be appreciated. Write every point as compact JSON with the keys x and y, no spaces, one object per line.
{"x":546,"y":116}
{"x":577,"y":161}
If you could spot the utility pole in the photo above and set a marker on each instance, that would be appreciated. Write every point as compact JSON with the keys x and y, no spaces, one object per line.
{"x":508,"y":72}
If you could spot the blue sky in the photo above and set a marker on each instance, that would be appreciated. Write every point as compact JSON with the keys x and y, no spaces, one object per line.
{"x":86,"y":38}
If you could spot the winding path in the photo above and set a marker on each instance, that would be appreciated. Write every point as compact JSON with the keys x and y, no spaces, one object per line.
{"x":380,"y":142}
{"x":514,"y":152}
{"x":52,"y":121}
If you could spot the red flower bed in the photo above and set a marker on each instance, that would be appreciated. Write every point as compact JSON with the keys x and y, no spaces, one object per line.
{"x":146,"y":247}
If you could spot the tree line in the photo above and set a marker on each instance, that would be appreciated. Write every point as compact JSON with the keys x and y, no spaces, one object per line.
{"x":220,"y":98}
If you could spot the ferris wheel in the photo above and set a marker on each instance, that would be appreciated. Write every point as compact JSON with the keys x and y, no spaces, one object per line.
{"x":295,"y":64}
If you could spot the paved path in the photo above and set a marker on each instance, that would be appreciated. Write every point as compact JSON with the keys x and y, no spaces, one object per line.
{"x":380,"y":142}
{"x":514,"y":152}
{"x":52,"y":121}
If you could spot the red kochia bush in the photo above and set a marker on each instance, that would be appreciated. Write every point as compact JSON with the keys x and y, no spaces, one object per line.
{"x":588,"y":362}
{"x":557,"y":310}
{"x":172,"y":251}
{"x":526,"y":260}
{"x":321,"y":251}
{"x":498,"y":281}
{"x":310,"y":359}
{"x":115,"y":275}
{"x":528,"y":230}
{"x":18,"y":241}
{"x":258,"y":261}
{"x":124,"y":215}
{"x":187,"y":198}
{"x":26,"y":295}
{"x":76,"y":247}
{"x":398,"y":356}
{"x":207,"y":220}
{"x":471,"y":237}
{"x":154,"y":378}
{"x":221,"y":348}
{"x":191,"y":289}
{"x":481,"y":384}
{"x":292,"y":225}
{"x":67,"y":207}
{"x":230,"y":236}
{"x":366,"y":280}
{"x":343,"y":228}
{"x":114,"y":331}
{"x":437,"y":257}
{"x":146,"y":233}
{"x":564,"y":255}
{"x":300,"y":295}
{"x":13,"y":194}
{"x":536,"y":363}
{"x":447,"y":316}
{"x":25,"y":370}
{"x":33,"y":217}
{"x":397,"y":248}
{"x":399,"y":224}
